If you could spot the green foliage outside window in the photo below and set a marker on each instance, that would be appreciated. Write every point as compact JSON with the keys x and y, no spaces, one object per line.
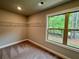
{"x":56,"y":21}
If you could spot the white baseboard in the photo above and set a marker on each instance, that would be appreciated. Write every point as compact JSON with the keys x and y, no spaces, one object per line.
{"x":50,"y":50}
{"x":10,"y":44}
{"x":45,"y":48}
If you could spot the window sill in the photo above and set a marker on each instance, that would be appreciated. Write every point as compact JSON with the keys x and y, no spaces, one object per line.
{"x":64,"y":46}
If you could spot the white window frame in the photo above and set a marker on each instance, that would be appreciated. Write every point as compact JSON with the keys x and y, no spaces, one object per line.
{"x":56,"y":13}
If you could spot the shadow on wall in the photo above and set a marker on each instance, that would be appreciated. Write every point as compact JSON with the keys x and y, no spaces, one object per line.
{"x":11,"y":35}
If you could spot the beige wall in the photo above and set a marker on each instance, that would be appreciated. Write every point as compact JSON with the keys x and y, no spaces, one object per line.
{"x":37,"y":25}
{"x":11,"y":27}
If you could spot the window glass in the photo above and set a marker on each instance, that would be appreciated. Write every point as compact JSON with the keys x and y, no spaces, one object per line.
{"x":73,"y":33}
{"x":56,"y":28}
{"x":55,"y":35}
{"x":56,"y":21}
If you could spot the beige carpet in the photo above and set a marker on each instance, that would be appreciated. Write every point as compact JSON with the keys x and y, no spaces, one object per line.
{"x":25,"y":51}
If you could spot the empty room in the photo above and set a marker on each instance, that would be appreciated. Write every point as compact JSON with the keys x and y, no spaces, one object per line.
{"x":39,"y":29}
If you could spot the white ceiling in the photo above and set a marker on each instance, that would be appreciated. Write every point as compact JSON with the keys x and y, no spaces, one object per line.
{"x":29,"y":6}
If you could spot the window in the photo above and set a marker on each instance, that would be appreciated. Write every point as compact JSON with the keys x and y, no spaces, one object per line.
{"x":73,"y":30}
{"x":64,"y":29}
{"x":56,"y":28}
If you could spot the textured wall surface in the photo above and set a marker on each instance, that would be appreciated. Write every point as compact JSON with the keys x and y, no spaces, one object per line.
{"x":13,"y":27}
{"x":37,"y":27}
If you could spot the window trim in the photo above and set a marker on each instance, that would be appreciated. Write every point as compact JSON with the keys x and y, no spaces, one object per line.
{"x":59,"y":13}
{"x":64,"y":11}
{"x":62,"y":45}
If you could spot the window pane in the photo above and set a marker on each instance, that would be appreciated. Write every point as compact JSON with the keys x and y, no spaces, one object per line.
{"x":73,"y":35}
{"x":55,"y":35}
{"x":56,"y":21}
{"x":73,"y":38}
{"x":73,"y":20}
